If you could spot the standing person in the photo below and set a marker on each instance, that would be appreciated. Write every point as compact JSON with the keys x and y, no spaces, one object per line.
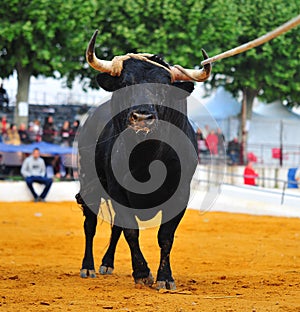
{"x":12,"y":136}
{"x":74,"y":129}
{"x":65,"y":133}
{"x":221,"y":142}
{"x":34,"y":170}
{"x":3,"y":125}
{"x":212,"y":142}
{"x":35,"y":131}
{"x":3,"y":98}
{"x":24,"y":135}
{"x":49,"y":130}
{"x":250,"y":174}
{"x":202,"y":148}
{"x":233,"y":151}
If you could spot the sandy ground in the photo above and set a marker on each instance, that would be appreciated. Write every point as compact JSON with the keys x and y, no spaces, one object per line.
{"x":221,"y":262}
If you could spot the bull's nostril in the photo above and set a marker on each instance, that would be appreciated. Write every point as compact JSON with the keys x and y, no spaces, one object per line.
{"x":149,"y":116}
{"x":135,"y":116}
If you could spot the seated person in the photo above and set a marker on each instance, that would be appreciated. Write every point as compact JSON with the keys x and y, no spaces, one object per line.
{"x":33,"y":170}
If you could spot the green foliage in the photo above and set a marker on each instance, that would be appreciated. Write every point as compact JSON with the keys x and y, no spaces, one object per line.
{"x":271,"y":70}
{"x":43,"y":36}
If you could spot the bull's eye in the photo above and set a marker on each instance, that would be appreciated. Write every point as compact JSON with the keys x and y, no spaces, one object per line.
{"x":134,"y":116}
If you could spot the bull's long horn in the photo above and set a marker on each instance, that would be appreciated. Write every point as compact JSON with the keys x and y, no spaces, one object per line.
{"x":100,"y":65}
{"x":180,"y":73}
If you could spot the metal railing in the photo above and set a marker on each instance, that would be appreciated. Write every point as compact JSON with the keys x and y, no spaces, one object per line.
{"x":226,"y":175}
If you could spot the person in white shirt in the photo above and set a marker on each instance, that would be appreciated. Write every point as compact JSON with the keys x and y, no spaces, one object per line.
{"x":34,"y":170}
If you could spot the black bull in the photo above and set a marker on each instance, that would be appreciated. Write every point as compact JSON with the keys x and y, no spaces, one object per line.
{"x":137,"y":110}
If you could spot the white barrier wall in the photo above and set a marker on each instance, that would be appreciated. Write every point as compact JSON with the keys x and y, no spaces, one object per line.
{"x":65,"y":191}
{"x":18,"y":191}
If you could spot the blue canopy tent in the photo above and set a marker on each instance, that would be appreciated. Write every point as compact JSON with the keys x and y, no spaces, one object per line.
{"x":45,"y":148}
{"x":215,"y":113}
{"x":12,"y":155}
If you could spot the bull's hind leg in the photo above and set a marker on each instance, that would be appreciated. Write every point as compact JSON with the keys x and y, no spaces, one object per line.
{"x":165,"y":240}
{"x":141,"y":272}
{"x":90,"y":223}
{"x":107,"y":265}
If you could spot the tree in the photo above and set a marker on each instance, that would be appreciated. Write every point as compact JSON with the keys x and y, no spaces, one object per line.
{"x":269,"y":72}
{"x":178,"y":30}
{"x":42,"y":38}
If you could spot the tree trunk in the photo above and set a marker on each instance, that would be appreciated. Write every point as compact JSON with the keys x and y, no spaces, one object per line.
{"x":22,"y":106}
{"x":243,"y":129}
{"x":246,"y":115}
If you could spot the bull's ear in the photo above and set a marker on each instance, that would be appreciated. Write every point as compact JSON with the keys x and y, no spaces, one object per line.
{"x":108,"y":82}
{"x":187,"y":86}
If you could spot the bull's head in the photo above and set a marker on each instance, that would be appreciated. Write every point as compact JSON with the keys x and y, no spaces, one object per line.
{"x":134,"y":69}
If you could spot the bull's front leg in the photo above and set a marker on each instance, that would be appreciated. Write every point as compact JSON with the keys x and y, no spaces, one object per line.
{"x":107,"y":265}
{"x":90,"y":224}
{"x":141,"y":272}
{"x":165,"y":240}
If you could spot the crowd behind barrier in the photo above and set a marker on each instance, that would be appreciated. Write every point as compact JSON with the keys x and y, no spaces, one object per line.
{"x":51,"y":124}
{"x":55,"y":145}
{"x":57,"y":125}
{"x":211,"y":145}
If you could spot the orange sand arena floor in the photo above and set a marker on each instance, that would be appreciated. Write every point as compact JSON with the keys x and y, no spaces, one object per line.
{"x":221,"y":262}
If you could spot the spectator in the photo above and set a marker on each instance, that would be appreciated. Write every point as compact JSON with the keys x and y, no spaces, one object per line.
{"x":212,"y":142}
{"x":12,"y":136}
{"x":57,"y":166}
{"x":3,"y":125}
{"x":202,"y":148}
{"x":250,"y":174}
{"x":24,"y":135}
{"x":34,"y":170}
{"x":233,"y":151}
{"x":35,"y":131}
{"x":49,"y":130}
{"x":64,"y":133}
{"x":4,"y":101}
{"x":73,"y":132}
{"x":221,"y":142}
{"x":206,"y":130}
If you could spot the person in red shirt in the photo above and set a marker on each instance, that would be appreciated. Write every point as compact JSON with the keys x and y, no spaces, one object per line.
{"x":250,"y":174}
{"x":212,"y":142}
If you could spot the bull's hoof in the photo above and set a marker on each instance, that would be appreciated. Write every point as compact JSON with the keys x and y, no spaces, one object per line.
{"x":105,"y":270}
{"x":84,"y":273}
{"x":165,"y":285}
{"x":145,"y":281}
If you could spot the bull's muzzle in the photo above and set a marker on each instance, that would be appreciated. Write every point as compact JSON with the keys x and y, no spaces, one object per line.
{"x":142,"y":121}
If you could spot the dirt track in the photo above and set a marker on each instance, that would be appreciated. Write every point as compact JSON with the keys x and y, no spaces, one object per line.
{"x":221,"y":262}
